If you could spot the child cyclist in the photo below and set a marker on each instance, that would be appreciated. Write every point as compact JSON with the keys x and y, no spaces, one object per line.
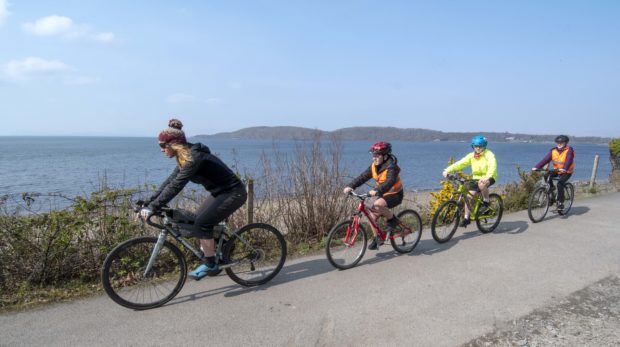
{"x":483,"y":169}
{"x":562,"y":156}
{"x":388,"y":187}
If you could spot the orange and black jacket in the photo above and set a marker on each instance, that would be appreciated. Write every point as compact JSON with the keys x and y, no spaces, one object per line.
{"x":389,"y":173}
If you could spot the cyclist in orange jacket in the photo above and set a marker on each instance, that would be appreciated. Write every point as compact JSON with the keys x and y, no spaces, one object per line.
{"x":388,"y":187}
{"x":562,"y":156}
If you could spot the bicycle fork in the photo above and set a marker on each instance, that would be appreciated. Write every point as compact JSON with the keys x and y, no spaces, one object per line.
{"x":351,"y":231}
{"x":160,"y":242}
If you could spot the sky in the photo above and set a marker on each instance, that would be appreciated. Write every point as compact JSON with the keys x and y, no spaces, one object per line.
{"x":123,"y":68}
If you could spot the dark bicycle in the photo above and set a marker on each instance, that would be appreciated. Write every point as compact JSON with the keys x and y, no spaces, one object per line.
{"x":545,"y":195}
{"x":146,"y":272}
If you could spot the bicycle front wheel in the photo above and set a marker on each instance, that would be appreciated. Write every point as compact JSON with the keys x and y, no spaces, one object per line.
{"x":488,"y":221}
{"x":125,"y":280}
{"x":569,"y":196}
{"x":255,"y":254}
{"x":411,"y":225}
{"x":538,"y":205}
{"x":345,"y":246}
{"x":445,"y":221}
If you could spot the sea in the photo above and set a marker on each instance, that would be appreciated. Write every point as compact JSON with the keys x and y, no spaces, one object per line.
{"x":74,"y":166}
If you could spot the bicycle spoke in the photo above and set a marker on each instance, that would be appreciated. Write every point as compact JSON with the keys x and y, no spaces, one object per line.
{"x":255,"y":254}
{"x":124,"y":279}
{"x":345,"y":247}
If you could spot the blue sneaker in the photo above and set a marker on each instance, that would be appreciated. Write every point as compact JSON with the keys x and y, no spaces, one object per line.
{"x":202,"y":271}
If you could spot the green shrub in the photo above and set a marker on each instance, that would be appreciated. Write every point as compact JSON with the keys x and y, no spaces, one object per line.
{"x":62,"y":246}
{"x":614,"y":147}
{"x":445,"y":194}
{"x":516,"y":194}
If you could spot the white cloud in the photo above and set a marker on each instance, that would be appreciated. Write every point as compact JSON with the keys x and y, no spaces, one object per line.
{"x":31,"y":66}
{"x":235,"y":85}
{"x":104,"y":37}
{"x":179,"y":98}
{"x":4,"y":10}
{"x":65,"y":27}
{"x":213,"y":101}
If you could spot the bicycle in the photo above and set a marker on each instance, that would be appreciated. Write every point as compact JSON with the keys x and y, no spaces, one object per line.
{"x":346,"y":241}
{"x":447,"y":217}
{"x":146,"y":272}
{"x":544,"y":195}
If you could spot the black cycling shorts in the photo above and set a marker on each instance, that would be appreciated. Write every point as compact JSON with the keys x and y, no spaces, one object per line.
{"x":472,"y":185}
{"x":394,"y":200}
{"x":217,"y":208}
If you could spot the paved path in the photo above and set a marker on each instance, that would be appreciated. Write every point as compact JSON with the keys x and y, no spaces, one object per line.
{"x":441,"y":295}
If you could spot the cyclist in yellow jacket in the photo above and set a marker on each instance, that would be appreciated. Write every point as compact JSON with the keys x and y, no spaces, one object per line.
{"x":388,"y":187}
{"x":562,"y":156}
{"x":483,"y":169}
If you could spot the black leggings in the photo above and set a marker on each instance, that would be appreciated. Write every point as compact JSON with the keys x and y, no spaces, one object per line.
{"x":217,"y":208}
{"x":563,"y":178}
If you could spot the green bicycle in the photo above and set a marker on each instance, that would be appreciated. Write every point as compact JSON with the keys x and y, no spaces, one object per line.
{"x":447,"y":217}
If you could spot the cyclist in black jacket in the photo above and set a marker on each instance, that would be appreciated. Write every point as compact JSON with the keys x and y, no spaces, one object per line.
{"x":196,"y":163}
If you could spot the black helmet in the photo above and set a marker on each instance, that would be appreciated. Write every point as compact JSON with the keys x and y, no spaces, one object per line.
{"x":561,"y":139}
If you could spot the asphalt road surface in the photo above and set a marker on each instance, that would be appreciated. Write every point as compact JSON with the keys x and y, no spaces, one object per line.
{"x":440,"y":295}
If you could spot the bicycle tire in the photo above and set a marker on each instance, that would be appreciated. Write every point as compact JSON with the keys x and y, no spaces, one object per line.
{"x":446,"y":217}
{"x":411,"y":223}
{"x":338,"y":251}
{"x":123,"y":279}
{"x":487,"y":225}
{"x":268,"y":251}
{"x":538,"y":204}
{"x":569,"y":196}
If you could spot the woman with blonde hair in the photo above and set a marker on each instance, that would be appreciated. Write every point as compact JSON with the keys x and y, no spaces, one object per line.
{"x":196,"y":163}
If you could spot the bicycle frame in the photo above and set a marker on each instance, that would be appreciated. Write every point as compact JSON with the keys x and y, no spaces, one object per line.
{"x":463,"y":195}
{"x":166,"y":229}
{"x":362,"y":209}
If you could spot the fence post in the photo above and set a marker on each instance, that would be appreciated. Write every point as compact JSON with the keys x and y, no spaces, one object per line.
{"x":594,"y":170}
{"x":250,"y":203}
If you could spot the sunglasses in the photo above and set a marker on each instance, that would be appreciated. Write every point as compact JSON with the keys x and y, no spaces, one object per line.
{"x":163,"y":144}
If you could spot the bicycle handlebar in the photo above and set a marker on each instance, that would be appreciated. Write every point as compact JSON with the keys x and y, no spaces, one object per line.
{"x":549,"y":170}
{"x":452,"y":176}
{"x":361,"y":196}
{"x":139,"y":205}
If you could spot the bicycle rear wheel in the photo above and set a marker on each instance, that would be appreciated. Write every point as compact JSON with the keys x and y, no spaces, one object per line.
{"x":124,"y":279}
{"x":569,"y":196}
{"x":445,"y":221}
{"x":411,"y":224}
{"x":345,"y":247}
{"x":255,"y":253}
{"x":538,"y":204}
{"x":488,"y":221}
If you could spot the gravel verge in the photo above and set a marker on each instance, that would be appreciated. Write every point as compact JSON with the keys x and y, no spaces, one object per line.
{"x":588,"y":317}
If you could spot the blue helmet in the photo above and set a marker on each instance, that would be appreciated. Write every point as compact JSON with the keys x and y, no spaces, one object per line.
{"x":479,"y":141}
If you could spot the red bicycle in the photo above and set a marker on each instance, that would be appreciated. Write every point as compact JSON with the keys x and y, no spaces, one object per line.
{"x":346,"y":242}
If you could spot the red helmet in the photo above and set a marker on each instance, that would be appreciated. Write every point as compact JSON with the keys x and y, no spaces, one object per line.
{"x":381,"y":148}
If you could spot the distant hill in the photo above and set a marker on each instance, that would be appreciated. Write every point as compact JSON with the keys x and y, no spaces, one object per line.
{"x":388,"y":134}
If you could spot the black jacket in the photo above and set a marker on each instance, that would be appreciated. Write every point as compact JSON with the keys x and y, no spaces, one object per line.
{"x":391,"y":164}
{"x":204,"y":168}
